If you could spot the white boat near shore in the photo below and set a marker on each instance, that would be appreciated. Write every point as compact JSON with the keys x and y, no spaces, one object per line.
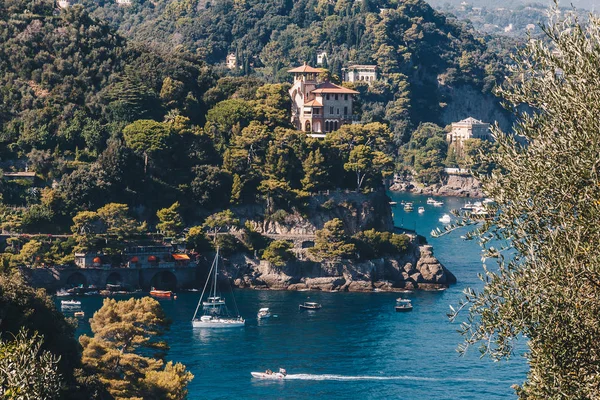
{"x":268,"y":374}
{"x":445,"y":219}
{"x":70,"y":303}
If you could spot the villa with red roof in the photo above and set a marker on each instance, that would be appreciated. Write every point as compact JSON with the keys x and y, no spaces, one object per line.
{"x":319,"y":107}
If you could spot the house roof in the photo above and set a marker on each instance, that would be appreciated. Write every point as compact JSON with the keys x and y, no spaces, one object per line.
{"x":180,"y":257}
{"x":313,"y":103}
{"x":361,"y":66}
{"x":305,"y":68}
{"x":328,"y":87}
{"x":471,"y":121}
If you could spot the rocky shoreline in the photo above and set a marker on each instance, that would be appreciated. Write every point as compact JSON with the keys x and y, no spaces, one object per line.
{"x":454,"y":185}
{"x":418,"y":269}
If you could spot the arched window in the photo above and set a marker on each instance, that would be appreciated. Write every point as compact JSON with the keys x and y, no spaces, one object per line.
{"x":326,"y":126}
{"x":335,"y":125}
{"x":307,"y":126}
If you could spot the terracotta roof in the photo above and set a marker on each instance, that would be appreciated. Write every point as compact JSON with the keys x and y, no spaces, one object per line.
{"x":328,"y":87}
{"x":180,"y":257}
{"x":313,"y":103}
{"x":305,"y":68}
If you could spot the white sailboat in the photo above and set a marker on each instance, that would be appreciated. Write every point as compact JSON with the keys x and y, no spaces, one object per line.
{"x":214,"y":310}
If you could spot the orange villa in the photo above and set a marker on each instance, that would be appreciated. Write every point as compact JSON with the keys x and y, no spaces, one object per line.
{"x":319,"y":107}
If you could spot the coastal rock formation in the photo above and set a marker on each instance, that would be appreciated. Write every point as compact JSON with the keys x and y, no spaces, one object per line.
{"x":417,"y":269}
{"x":454,"y":185}
{"x":358,"y":211}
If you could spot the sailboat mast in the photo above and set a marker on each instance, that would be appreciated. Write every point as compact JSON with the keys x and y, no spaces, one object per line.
{"x":216,"y":273}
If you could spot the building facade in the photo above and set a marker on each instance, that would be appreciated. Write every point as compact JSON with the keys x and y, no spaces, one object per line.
{"x":321,"y":58}
{"x":360,"y":73}
{"x":466,"y":129}
{"x":319,"y":107}
{"x":231,"y":61}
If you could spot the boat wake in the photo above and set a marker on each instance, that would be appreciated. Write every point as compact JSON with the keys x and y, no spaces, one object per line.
{"x":326,"y":377}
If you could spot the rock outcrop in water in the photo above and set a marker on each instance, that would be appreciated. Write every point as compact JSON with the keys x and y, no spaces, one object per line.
{"x":417,"y":269}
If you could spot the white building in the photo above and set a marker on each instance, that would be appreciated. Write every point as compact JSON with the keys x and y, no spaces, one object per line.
{"x":360,"y":73}
{"x":231,"y":61}
{"x":124,"y":2}
{"x":64,"y":3}
{"x":321,"y":58}
{"x":466,"y":129}
{"x":319,"y":107}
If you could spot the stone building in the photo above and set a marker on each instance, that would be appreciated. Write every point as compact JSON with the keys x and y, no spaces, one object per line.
{"x":360,"y":73}
{"x":469,"y":128}
{"x":231,"y":61}
{"x":319,"y":107}
{"x":321,"y":57}
{"x":158,"y":256}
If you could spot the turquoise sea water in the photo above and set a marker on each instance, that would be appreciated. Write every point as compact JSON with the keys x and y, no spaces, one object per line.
{"x":355,"y":347}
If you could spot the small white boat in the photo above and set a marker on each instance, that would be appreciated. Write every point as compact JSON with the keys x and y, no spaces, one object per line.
{"x":268,"y":374}
{"x":438,"y":203}
{"x":208,"y":321}
{"x":445,"y":219}
{"x":79,"y":314}
{"x":263,"y":313}
{"x":408,"y":207}
{"x":403,"y":305}
{"x":488,"y":200}
{"x":393,"y":203}
{"x":468,"y":206}
{"x":430,"y":200}
{"x":309,"y":305}
{"x":421,"y":210}
{"x":62,"y":293}
{"x":70,"y":303}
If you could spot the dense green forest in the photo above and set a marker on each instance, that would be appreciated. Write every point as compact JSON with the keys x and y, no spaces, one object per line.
{"x":103,"y":119}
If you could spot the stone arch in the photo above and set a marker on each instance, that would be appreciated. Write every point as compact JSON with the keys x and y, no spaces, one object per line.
{"x":114,"y":278}
{"x":307,"y":244}
{"x":164,"y":280}
{"x":76,"y":279}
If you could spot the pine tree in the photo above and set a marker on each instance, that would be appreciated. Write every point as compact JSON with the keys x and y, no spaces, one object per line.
{"x":236,"y":190}
{"x":315,"y":172}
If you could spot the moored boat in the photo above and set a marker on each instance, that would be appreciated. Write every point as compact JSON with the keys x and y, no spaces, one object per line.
{"x":160,"y":293}
{"x":445,"y":219}
{"x":309,"y":305}
{"x":263,"y":313}
{"x":421,"y":210}
{"x":430,"y":200}
{"x":214,"y":309}
{"x":403,"y":305}
{"x":70,"y":303}
{"x":408,"y":207}
{"x":438,"y":203}
{"x":79,"y":314}
{"x":393,"y":203}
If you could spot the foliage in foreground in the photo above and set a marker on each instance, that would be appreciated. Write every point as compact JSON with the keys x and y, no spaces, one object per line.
{"x":124,"y":334}
{"x":547,"y":288}
{"x":27,"y":371}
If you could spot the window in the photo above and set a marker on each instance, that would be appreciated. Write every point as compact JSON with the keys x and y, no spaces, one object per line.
{"x":338,"y":111}
{"x":327,"y":97}
{"x":346,"y":97}
{"x":345,"y":110}
{"x":326,"y":126}
{"x":316,"y":111}
{"x":330,"y":110}
{"x":335,"y":125}
{"x":336,"y":96}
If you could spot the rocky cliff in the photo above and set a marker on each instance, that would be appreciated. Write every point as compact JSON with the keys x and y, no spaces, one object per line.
{"x":416,"y":269}
{"x":358,"y":211}
{"x":453,"y":185}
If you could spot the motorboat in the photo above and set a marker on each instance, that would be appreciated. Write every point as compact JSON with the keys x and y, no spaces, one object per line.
{"x":79,"y":314}
{"x":215,"y":313}
{"x":268,"y":374}
{"x":62,"y":293}
{"x":393,"y":203}
{"x":70,"y":303}
{"x":430,"y":200}
{"x":445,"y":219}
{"x":488,"y":200}
{"x":421,"y":210}
{"x":309,"y":305}
{"x":160,"y":293}
{"x":438,"y":203}
{"x":403,"y":305}
{"x":408,"y":207}
{"x":263,"y":313}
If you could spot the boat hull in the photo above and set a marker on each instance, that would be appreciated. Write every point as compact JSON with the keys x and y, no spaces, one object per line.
{"x":160,"y":293}
{"x":403,"y":309}
{"x":220,"y":323}
{"x":273,"y":376}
